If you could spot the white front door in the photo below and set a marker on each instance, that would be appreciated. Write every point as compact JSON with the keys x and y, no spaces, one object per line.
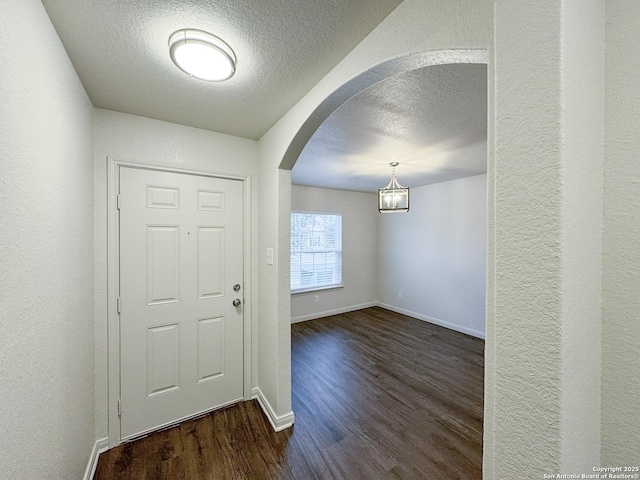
{"x":181,"y":336}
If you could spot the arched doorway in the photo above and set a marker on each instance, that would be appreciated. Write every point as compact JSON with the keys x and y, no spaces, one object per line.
{"x":358,"y":84}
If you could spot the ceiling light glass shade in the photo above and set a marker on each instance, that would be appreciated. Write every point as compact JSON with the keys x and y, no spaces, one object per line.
{"x":202,"y":55}
{"x":394,"y":198}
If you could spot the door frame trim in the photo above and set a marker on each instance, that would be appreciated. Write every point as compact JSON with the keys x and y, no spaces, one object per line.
{"x":113,"y":282}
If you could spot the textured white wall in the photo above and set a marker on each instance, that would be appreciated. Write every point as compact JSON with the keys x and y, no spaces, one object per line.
{"x":415,"y":26}
{"x":526,"y":329}
{"x":583,"y":151}
{"x":139,"y":139}
{"x":269,"y":284}
{"x":283,"y":365}
{"x":46,"y":247}
{"x":436,"y":255}
{"x":359,"y":251}
{"x":544,"y":336}
{"x":621,"y":260}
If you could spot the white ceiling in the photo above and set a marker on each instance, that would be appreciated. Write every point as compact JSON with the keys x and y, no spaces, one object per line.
{"x":284,"y":47}
{"x":431,"y":120}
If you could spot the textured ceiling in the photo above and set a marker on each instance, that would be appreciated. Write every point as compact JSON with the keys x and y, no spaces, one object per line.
{"x":284,"y":47}
{"x":432,"y":120}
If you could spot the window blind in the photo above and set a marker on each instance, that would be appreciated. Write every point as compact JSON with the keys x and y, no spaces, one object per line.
{"x":316,"y":250}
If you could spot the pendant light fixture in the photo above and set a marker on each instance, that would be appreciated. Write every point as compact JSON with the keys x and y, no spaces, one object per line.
{"x":394,"y":198}
{"x":202,"y":55}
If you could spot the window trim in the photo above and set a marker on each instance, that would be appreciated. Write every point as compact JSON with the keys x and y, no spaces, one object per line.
{"x":300,"y":291}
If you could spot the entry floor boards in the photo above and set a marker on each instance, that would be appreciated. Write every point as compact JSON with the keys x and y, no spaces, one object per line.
{"x":376,"y":395}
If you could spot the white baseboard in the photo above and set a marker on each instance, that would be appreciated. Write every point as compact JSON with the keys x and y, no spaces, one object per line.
{"x":328,"y":313}
{"x":435,"y":321}
{"x":278,"y":423}
{"x":100,"y":445}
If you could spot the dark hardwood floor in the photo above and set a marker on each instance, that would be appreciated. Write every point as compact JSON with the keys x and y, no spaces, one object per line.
{"x":377,"y":395}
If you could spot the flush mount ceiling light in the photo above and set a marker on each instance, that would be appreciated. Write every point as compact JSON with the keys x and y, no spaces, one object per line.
{"x":394,"y":198}
{"x":202,"y":55}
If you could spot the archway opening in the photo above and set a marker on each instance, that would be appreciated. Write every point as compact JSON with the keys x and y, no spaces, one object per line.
{"x":364,"y":81}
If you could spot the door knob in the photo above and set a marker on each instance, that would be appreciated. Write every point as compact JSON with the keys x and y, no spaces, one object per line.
{"x":237,"y":302}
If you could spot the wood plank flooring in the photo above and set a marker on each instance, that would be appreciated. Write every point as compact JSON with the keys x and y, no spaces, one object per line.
{"x":377,"y":395}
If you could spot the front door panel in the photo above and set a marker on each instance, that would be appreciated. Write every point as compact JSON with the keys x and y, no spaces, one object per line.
{"x":181,"y":336}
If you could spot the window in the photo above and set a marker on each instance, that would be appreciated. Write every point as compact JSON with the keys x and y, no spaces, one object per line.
{"x":316,"y":251}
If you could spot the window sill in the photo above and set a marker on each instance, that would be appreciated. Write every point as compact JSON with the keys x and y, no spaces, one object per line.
{"x":316,"y":289}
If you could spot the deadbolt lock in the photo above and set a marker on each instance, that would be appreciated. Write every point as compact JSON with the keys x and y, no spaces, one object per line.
{"x":236,"y":287}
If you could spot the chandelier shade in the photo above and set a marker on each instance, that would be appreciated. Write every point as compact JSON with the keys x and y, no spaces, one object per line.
{"x":394,"y":198}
